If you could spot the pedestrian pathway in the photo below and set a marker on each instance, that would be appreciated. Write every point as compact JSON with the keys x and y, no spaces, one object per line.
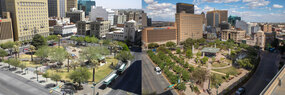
{"x":30,"y":75}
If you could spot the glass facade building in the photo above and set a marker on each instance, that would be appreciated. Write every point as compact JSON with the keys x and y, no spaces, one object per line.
{"x":85,"y":5}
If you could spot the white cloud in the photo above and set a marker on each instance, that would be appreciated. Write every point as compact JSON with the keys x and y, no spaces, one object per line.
{"x":148,"y":1}
{"x":221,"y":1}
{"x":277,"y":6}
{"x":256,"y":3}
{"x":208,"y":8}
{"x":160,"y":10}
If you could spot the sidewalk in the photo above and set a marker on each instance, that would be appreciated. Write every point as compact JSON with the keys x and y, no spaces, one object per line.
{"x":30,"y":74}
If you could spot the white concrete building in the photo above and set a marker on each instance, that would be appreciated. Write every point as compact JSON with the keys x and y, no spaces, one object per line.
{"x":98,"y":12}
{"x":65,"y":30}
{"x":111,"y":15}
{"x":130,"y":30}
{"x":244,"y":26}
{"x":122,"y":18}
{"x":116,"y":35}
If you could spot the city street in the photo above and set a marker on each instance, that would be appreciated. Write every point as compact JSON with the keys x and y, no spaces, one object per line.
{"x":151,"y":82}
{"x":12,"y":84}
{"x":130,"y":81}
{"x":264,"y":73}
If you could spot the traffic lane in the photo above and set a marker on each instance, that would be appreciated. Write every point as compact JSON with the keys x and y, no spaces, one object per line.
{"x":17,"y":85}
{"x":130,"y":81}
{"x":153,"y":82}
{"x":264,"y":73}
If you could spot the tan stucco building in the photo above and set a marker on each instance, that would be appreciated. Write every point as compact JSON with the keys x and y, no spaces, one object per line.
{"x":57,"y":8}
{"x":159,"y":35}
{"x":29,"y":17}
{"x":188,"y":26}
{"x":236,"y":35}
{"x":6,"y":30}
{"x":71,"y":4}
{"x":216,"y":17}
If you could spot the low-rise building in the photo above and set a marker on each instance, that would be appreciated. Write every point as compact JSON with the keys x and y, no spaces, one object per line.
{"x":65,"y":30}
{"x":236,"y":35}
{"x":83,"y":27}
{"x":159,"y":35}
{"x":99,"y":28}
{"x":116,"y":35}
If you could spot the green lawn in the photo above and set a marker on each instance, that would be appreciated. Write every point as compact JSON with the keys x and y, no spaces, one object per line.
{"x":30,"y":64}
{"x":219,"y":80}
{"x":100,"y":72}
{"x":230,"y":70}
{"x":216,"y":64}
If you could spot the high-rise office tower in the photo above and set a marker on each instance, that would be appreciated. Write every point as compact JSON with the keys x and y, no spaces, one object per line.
{"x":2,"y":7}
{"x":86,"y":5}
{"x":29,"y":17}
{"x":57,"y":8}
{"x":6,"y":30}
{"x":71,"y":4}
{"x":188,"y":8}
{"x":232,"y":20}
{"x":216,"y":17}
{"x":188,"y":26}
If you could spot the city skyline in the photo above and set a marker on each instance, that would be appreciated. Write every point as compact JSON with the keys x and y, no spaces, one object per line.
{"x":249,"y":10}
{"x":119,"y":4}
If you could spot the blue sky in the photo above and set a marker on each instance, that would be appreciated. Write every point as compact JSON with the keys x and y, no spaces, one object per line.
{"x":249,"y":10}
{"x":120,"y":4}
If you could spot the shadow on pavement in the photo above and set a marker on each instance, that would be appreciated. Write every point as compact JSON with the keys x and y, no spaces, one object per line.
{"x":130,"y":80}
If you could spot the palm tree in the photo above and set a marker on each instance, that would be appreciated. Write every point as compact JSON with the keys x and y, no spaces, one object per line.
{"x":16,"y":50}
{"x":74,"y":64}
{"x":95,"y":64}
{"x":58,"y":36}
{"x":32,"y":49}
{"x":19,"y":44}
{"x":68,"y":58}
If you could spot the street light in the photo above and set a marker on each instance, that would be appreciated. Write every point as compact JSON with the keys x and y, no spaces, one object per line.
{"x":37,"y":73}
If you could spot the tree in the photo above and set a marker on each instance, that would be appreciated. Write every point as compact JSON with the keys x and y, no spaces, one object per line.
{"x":153,"y":45}
{"x":22,"y":66}
{"x":170,"y":44}
{"x":178,"y":50}
{"x":43,"y":52}
{"x":74,"y":64}
{"x":185,"y":75}
{"x":200,"y":75}
{"x":38,"y":41}
{"x":189,"y":53}
{"x":245,"y":63}
{"x":59,"y":37}
{"x":204,"y":60}
{"x":3,"y":53}
{"x":87,"y":39}
{"x":16,"y":50}
{"x":32,"y":49}
{"x":45,"y":75}
{"x":80,"y":39}
{"x":80,"y":75}
{"x":124,"y":56}
{"x":58,"y":55}
{"x":93,"y":53}
{"x":181,"y":86}
{"x":52,"y":37}
{"x":106,"y":42}
{"x":8,"y":45}
{"x":198,"y":54}
{"x":68,"y":56}
{"x":94,"y":39}
{"x":13,"y":61}
{"x":55,"y":77}
{"x":73,"y":38}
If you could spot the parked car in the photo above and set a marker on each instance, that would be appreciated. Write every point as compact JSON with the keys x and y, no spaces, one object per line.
{"x":240,"y":91}
{"x":158,"y":70}
{"x":50,"y":85}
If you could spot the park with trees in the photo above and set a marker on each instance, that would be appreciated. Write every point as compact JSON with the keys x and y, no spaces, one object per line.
{"x":193,"y":70}
{"x":83,"y":59}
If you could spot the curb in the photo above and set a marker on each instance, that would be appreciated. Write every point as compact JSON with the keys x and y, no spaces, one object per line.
{"x":163,"y":75}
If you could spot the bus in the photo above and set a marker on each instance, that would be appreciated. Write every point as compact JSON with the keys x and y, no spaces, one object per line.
{"x":121,"y":69}
{"x":110,"y":79}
